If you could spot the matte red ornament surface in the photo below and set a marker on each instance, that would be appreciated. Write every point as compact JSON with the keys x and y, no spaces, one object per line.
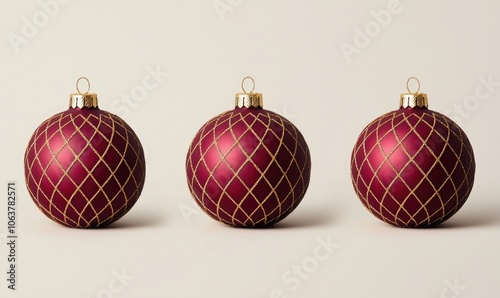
{"x":413,"y":167}
{"x":248,"y":167}
{"x":84,"y":168}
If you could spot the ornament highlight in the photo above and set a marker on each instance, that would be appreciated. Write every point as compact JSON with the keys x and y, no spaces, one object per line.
{"x":413,"y":167}
{"x":248,"y":167}
{"x":84,"y":167}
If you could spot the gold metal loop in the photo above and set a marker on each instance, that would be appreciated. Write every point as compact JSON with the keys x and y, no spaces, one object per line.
{"x":88,"y":84}
{"x":408,"y":85}
{"x":243,"y":84}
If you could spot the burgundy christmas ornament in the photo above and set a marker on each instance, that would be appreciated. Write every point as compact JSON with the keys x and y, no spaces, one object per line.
{"x":413,"y":167}
{"x":248,"y":167}
{"x":84,"y":167}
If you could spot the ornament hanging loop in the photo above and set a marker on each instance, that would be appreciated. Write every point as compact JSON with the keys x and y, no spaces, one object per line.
{"x":78,"y":83}
{"x":243,"y":84}
{"x":408,"y":85}
{"x":83,"y":100}
{"x":413,"y":99}
{"x":248,"y":99}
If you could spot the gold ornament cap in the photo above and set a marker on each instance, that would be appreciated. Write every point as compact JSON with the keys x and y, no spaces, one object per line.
{"x":83,"y":100}
{"x":248,"y":99}
{"x":413,"y":99}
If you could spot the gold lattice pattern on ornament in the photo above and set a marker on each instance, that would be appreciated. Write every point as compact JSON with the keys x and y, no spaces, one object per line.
{"x":396,"y":119}
{"x":267,"y":119}
{"x":107,"y":122}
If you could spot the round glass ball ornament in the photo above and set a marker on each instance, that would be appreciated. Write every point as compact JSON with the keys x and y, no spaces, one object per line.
{"x":248,"y":167}
{"x":413,"y":167}
{"x":84,"y":167}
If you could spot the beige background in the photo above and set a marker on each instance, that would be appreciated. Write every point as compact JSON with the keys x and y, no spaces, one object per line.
{"x":295,"y":51}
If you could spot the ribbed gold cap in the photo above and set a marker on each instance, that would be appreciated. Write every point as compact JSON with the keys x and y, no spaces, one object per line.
{"x":413,"y":100}
{"x":248,"y":99}
{"x":409,"y":100}
{"x":83,"y":100}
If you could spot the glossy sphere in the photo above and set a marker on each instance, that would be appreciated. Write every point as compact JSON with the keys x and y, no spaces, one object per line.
{"x":248,"y":167}
{"x":84,"y":168}
{"x":413,"y":167}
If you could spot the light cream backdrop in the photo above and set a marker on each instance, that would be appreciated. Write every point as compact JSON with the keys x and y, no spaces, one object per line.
{"x":329,"y":66}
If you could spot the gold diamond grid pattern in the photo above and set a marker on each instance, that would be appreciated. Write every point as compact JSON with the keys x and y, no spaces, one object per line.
{"x":377,"y":195}
{"x":285,"y":190}
{"x":116,"y":177}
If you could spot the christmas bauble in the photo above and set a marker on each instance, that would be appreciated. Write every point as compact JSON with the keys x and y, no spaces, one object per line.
{"x":84,"y":167}
{"x":248,"y":167}
{"x":413,"y":167}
